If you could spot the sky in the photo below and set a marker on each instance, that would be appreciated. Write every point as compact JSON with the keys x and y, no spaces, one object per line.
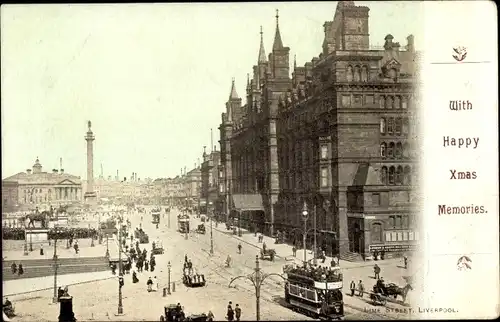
{"x":152,"y":78}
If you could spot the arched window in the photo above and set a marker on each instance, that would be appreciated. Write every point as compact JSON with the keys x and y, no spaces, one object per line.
{"x":357,"y":74}
{"x":393,"y":73}
{"x":383,"y":150}
{"x":349,"y":73}
{"x":390,"y":126}
{"x":392,"y":172}
{"x":364,"y":73}
{"x":399,"y":150}
{"x":397,"y":102}
{"x":388,"y":102}
{"x":405,"y":126}
{"x":383,"y":176}
{"x":376,"y":233}
{"x":383,"y":126}
{"x":399,"y":124}
{"x":407,"y":175}
{"x":390,"y":150}
{"x":404,"y":103}
{"x":406,"y":150}
{"x":382,"y":101}
{"x":399,"y":175}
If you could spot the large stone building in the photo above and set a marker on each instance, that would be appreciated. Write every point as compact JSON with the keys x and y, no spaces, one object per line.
{"x":37,"y":188}
{"x":337,"y":137}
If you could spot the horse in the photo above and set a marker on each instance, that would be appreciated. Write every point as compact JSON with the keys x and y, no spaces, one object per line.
{"x":41,"y":217}
{"x":394,"y":290}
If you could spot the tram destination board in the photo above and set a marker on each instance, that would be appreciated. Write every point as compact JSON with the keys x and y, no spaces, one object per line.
{"x":393,"y":248}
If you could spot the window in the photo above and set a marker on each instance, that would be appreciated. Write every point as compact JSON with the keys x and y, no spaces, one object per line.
{"x":399,"y":150}
{"x":376,"y":199}
{"x":388,"y":102}
{"x":406,"y":150}
{"x":358,"y":100}
{"x":376,"y":233}
{"x":383,"y":150}
{"x":407,"y":175}
{"x":404,"y":103}
{"x":416,"y":235}
{"x":324,"y":152}
{"x":357,"y":74}
{"x":392,"y":171}
{"x":405,"y":235}
{"x":383,"y":126}
{"x":369,"y":100}
{"x":364,"y":74}
{"x":390,"y":150}
{"x":382,"y":101}
{"x":397,"y":102}
{"x":400,"y":236}
{"x":388,"y":236}
{"x":392,"y":221}
{"x":399,"y":124}
{"x":324,"y":177}
{"x":404,"y":222}
{"x":405,"y":126}
{"x":410,"y":235}
{"x":383,"y":176}
{"x":398,"y":222}
{"x":346,"y":100}
{"x":349,"y":74}
{"x":399,"y":175}
{"x":390,"y":126}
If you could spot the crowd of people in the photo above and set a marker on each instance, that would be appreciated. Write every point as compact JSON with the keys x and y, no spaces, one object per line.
{"x":317,"y":273}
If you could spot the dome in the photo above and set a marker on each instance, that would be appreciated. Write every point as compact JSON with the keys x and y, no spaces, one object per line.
{"x":389,"y":37}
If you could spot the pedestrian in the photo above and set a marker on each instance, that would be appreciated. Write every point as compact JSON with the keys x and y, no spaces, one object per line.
{"x":20,"y":270}
{"x":41,"y":249}
{"x":76,"y":247}
{"x":230,"y":312}
{"x":264,"y":246}
{"x":155,"y":284}
{"x":149,"y":283}
{"x":239,"y":248}
{"x":146,"y":265}
{"x":352,"y":287}
{"x":134,"y":277}
{"x":237,"y":310}
{"x":210,"y":316}
{"x":332,"y":263}
{"x":185,"y":258}
{"x":361,"y":288}
{"x":294,"y":251}
{"x":323,"y":255}
{"x":376,"y":270}
{"x":13,"y":267}
{"x":406,"y":261}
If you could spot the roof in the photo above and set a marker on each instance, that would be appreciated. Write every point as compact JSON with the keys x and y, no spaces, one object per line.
{"x":43,"y":178}
{"x":248,"y":202}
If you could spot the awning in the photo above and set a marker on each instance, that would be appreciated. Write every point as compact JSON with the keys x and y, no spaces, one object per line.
{"x":248,"y":202}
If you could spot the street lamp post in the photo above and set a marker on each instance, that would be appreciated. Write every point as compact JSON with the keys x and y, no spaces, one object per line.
{"x":120,"y":270}
{"x":168,"y":280}
{"x":315,"y":260}
{"x":257,"y":278}
{"x":55,"y":299}
{"x":304,"y":217}
{"x":239,"y":223}
{"x":211,"y":234}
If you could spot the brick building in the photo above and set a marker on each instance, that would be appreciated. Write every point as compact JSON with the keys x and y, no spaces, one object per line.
{"x":337,"y":136}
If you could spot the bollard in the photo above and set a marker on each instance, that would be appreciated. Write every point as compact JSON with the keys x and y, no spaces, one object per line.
{"x":164,"y":292}
{"x":173,"y":286}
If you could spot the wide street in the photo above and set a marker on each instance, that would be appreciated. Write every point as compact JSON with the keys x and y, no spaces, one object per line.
{"x":99,"y":300}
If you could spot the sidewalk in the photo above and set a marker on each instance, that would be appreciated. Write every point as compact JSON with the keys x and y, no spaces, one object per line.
{"x":29,"y":285}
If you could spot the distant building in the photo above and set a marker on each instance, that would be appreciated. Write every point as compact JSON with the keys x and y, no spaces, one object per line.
{"x":35,"y":188}
{"x":210,"y":182}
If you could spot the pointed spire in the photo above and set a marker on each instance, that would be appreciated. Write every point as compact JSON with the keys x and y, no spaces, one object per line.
{"x":262,"y":53}
{"x":233,"y":94}
{"x":278,"y":44}
{"x":248,"y":81}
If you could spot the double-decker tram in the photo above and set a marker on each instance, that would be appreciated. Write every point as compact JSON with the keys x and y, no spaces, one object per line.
{"x":316,"y":292}
{"x":183,"y":223}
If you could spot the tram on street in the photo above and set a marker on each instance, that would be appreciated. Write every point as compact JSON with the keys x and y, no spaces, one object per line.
{"x":156,"y":217}
{"x":315,"y":294}
{"x":183,"y":223}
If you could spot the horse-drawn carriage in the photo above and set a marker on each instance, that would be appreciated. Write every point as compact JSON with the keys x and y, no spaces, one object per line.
{"x":382,"y":292}
{"x":203,"y":218}
{"x":193,"y":280}
{"x":201,"y":229}
{"x":157,"y":247}
{"x":141,"y":236}
{"x":174,"y":313}
{"x":267,"y":254}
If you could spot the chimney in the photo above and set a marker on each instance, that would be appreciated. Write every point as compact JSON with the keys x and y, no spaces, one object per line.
{"x":410,"y":43}
{"x":61,"y":171}
{"x":55,"y":171}
{"x":28,"y":171}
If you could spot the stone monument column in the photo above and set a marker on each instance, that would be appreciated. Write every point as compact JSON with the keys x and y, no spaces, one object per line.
{"x":90,"y":196}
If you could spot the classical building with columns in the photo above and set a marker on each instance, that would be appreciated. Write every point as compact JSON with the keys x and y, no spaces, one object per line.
{"x":36,"y":187}
{"x":338,"y":136}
